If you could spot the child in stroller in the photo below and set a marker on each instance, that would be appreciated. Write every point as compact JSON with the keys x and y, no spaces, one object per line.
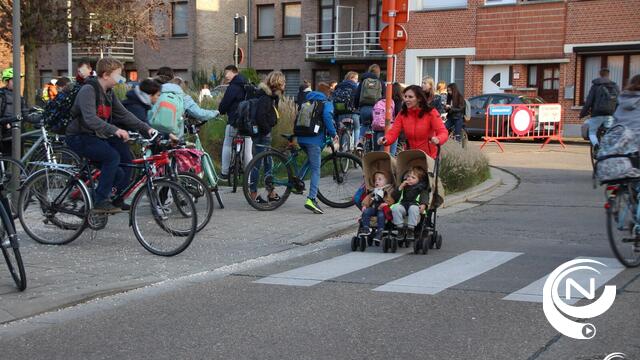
{"x":411,"y":200}
{"x":377,"y":203}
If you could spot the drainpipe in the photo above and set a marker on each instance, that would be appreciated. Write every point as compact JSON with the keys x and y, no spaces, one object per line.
{"x":249,"y":33}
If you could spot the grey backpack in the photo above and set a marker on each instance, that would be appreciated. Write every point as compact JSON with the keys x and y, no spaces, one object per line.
{"x":618,"y":148}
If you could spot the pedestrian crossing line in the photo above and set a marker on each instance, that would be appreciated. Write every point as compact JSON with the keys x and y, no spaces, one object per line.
{"x":341,"y":265}
{"x":439,"y":277}
{"x":533,"y":291}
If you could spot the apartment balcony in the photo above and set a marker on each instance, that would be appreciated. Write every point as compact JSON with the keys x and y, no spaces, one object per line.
{"x":343,"y":46}
{"x":122,"y":50}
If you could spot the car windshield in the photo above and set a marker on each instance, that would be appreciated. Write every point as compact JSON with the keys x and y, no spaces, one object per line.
{"x":531,"y":100}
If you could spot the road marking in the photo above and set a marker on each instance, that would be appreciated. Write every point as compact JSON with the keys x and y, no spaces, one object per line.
{"x":533,"y":291}
{"x":341,"y":265}
{"x":461,"y":268}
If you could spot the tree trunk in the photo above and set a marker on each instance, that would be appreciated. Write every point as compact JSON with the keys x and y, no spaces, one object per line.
{"x":31,"y":71}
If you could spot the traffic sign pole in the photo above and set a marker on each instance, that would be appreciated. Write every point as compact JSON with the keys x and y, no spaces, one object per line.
{"x":390,"y":70}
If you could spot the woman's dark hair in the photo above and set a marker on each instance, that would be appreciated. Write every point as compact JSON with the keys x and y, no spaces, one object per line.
{"x":457,"y":100}
{"x":166,"y":71}
{"x":634,"y":83}
{"x":423,"y":103}
{"x":150,"y":86}
{"x":397,"y":92}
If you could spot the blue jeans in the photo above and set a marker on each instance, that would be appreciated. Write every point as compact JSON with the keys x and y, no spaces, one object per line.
{"x":366,"y":116}
{"x":368,"y":213}
{"x":109,"y":153}
{"x":313,"y":154}
{"x":594,"y":124}
{"x":455,"y":122}
{"x":266,"y":162}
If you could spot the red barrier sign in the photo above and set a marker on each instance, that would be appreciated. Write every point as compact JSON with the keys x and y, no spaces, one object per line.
{"x":399,"y":37}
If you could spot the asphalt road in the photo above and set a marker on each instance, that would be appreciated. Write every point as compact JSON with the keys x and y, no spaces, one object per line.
{"x":319,"y":302}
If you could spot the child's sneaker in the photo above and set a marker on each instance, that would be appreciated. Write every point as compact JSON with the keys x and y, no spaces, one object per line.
{"x":365,"y":231}
{"x":378,"y":236}
{"x":312,"y":205}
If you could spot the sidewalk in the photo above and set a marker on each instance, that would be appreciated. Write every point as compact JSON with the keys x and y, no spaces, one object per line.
{"x":112,"y":260}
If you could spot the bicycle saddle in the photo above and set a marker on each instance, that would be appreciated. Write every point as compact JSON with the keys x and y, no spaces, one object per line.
{"x":289,"y":137}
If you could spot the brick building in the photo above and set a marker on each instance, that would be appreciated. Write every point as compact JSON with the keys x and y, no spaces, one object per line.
{"x":195,"y":34}
{"x":545,"y":47}
{"x":318,"y":40}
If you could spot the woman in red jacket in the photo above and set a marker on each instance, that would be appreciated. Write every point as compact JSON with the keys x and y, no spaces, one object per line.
{"x":420,"y":122}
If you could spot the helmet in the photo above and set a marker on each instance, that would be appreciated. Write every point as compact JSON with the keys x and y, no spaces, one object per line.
{"x":7,"y":74}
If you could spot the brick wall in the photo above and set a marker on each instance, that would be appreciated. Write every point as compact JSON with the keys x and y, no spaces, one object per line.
{"x":602,"y":21}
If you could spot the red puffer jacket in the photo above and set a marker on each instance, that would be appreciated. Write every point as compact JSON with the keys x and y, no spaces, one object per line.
{"x":419,"y":130}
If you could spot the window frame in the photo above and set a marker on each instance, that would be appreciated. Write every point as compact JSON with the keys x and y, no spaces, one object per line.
{"x":603,"y":63}
{"x":424,"y":7}
{"x":296,"y":86}
{"x":262,"y":6}
{"x":173,"y":10}
{"x":454,"y":70}
{"x":284,"y":19}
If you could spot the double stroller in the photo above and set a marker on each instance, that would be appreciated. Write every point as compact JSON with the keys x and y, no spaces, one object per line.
{"x":427,"y":236}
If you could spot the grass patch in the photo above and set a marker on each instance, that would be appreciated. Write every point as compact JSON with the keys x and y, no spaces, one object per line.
{"x":461,"y":168}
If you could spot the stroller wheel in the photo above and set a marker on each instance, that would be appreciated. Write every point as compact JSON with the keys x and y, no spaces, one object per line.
{"x":417,"y":246}
{"x":438,"y":241}
{"x":394,"y":245}
{"x":425,"y":244}
{"x":385,"y":244}
{"x":354,"y":243}
{"x":363,"y":243}
{"x":369,"y":240}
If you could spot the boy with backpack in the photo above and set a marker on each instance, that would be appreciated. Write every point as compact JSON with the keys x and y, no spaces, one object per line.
{"x":142,"y":97}
{"x":601,"y":103}
{"x":96,"y":132}
{"x":370,"y":90}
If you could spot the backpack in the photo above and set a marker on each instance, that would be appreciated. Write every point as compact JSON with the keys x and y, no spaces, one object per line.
{"x":617,"y":148}
{"x":378,"y":121}
{"x":167,"y":113}
{"x":605,"y":101}
{"x":310,"y":121}
{"x":467,"y":110}
{"x":342,"y":101}
{"x":246,"y":121}
{"x":371,"y":91}
{"x":57,"y":112}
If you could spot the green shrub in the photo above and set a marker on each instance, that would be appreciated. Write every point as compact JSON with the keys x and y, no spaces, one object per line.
{"x":251,"y":75}
{"x":462,"y":168}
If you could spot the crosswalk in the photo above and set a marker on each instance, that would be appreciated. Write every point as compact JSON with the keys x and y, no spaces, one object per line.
{"x":437,"y":277}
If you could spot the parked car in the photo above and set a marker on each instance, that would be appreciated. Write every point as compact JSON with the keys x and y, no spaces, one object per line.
{"x":476,"y":126}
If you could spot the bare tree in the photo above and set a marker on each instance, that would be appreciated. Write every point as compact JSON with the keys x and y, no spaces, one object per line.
{"x":93,"y":23}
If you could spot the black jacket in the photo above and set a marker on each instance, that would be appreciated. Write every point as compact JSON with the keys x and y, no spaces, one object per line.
{"x":587,"y":108}
{"x":368,"y":75}
{"x":136,"y":105}
{"x":234,"y":94}
{"x":266,"y":114}
{"x":411,"y":193}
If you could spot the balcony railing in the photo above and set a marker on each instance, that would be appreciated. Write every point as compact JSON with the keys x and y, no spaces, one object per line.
{"x":343,"y":45}
{"x":122,"y":50}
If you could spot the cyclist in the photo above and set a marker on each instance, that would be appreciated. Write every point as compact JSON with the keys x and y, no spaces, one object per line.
{"x":455,"y":111}
{"x":141,"y":98}
{"x":95,"y":132}
{"x":6,"y":108}
{"x":598,"y":104}
{"x":313,"y":145}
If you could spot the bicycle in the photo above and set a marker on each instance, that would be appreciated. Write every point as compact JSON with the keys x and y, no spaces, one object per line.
{"x":55,"y":205}
{"x":464,"y":137}
{"x":369,"y":144}
{"x":9,"y":239}
{"x":345,"y":135}
{"x":236,"y":167}
{"x":343,"y":170}
{"x":623,"y":220}
{"x":208,"y":170}
{"x":593,"y":149}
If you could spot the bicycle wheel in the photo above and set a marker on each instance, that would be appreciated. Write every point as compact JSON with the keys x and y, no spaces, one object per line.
{"x":53,"y":206}
{"x":345,"y":142}
{"x":11,"y":249}
{"x":621,"y":226}
{"x":340,"y":178}
{"x":59,"y":155}
{"x":278,"y":181}
{"x":162,"y":227}
{"x":8,"y":168}
{"x":201,"y":196}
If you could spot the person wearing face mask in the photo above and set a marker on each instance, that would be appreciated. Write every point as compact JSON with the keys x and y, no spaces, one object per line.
{"x":96,"y":132}
{"x":141,"y":98}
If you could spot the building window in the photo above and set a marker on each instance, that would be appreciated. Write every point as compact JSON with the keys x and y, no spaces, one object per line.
{"x":64,"y":73}
{"x":327,"y":8}
{"x":266,"y":20}
{"x":499,"y":2}
{"x":443,"y":4}
{"x":532,"y":76}
{"x":291,"y":14}
{"x":292,"y":79}
{"x":375,"y":15}
{"x":179,"y":18}
{"x":621,"y":68}
{"x":160,"y":21}
{"x":449,"y":70}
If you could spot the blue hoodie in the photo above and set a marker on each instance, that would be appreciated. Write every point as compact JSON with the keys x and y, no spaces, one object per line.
{"x":327,"y":115}
{"x":190,"y":107}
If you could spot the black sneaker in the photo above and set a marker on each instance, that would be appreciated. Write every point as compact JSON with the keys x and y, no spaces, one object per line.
{"x":260,"y":200}
{"x":274,"y":198}
{"x":121,"y":204}
{"x":106,"y":207}
{"x":410,"y":234}
{"x":223,"y":177}
{"x":312,"y":205}
{"x":359,"y":147}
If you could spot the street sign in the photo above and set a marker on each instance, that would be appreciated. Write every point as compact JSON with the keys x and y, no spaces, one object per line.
{"x":399,"y":37}
{"x":239,"y":24}
{"x":549,"y":113}
{"x":401,"y":11}
{"x":522,"y":120}
{"x":500,"y":110}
